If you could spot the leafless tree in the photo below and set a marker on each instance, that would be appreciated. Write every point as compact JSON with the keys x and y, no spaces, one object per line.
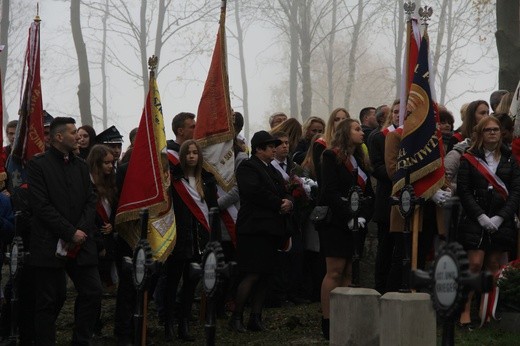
{"x":83,"y":65}
{"x":508,"y":43}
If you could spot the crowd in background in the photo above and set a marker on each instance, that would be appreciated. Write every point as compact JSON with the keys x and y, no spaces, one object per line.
{"x":283,"y":256}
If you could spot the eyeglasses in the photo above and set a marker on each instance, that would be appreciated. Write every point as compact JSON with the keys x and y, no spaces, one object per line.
{"x":492,"y":129}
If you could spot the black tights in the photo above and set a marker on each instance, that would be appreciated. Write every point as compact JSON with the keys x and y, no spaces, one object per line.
{"x":253,"y":285}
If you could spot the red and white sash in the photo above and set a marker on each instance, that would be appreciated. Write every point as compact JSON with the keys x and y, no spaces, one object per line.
{"x":458,"y":136}
{"x":493,"y":179}
{"x":361,"y":176}
{"x":173,"y":157}
{"x":229,"y":217}
{"x":193,"y":201}
{"x":321,"y":141}
{"x":103,"y":209}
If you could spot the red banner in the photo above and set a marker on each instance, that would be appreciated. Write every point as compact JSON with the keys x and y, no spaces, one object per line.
{"x":214,"y":130}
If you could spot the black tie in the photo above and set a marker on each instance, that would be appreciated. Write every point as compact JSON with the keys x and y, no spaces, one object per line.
{"x":282,"y":165}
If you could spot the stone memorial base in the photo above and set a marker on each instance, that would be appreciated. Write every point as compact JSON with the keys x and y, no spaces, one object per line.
{"x":407,"y":319}
{"x":354,"y":316}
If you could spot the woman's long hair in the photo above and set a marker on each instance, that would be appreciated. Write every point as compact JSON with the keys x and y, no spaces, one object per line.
{"x":477,"y":139}
{"x":329,"y":129}
{"x":183,"y":151}
{"x":105,"y":183}
{"x":342,"y":142}
{"x":308,"y":161}
{"x":293,"y":128}
{"x":309,"y":122}
{"x":470,"y":120}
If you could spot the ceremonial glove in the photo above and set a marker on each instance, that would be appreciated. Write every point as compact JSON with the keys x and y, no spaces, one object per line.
{"x":497,"y":221}
{"x":361,"y":223}
{"x":441,"y":196}
{"x":486,"y":223}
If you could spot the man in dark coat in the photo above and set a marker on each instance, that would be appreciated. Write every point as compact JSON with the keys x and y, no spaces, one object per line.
{"x":63,"y":204}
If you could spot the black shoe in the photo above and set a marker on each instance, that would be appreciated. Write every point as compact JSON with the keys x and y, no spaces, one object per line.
{"x":184,"y":330}
{"x":236,"y":324}
{"x":168,"y":331}
{"x":469,"y":326}
{"x":299,"y":300}
{"x":325,"y":328}
{"x":255,"y":323}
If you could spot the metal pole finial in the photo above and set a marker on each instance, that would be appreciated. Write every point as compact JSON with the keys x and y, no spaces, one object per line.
{"x":152,"y":63}
{"x":37,"y":17}
{"x":425,"y":13}
{"x":409,"y":8}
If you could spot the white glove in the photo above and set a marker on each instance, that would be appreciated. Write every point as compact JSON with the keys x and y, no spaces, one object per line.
{"x":361,"y":223}
{"x":486,"y":223}
{"x":441,"y":196}
{"x":497,"y":221}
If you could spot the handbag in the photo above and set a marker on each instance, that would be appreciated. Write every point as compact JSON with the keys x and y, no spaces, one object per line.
{"x":320,"y":214}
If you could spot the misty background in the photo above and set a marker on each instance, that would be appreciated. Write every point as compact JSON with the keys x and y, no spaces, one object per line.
{"x":301,"y":57}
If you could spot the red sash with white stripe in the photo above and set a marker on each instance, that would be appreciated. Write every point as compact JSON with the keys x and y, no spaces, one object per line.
{"x":482,"y":167}
{"x":350,"y":164}
{"x":192,"y":200}
{"x":321,"y":141}
{"x":189,"y":195}
{"x":101,"y":209}
{"x":458,"y":136}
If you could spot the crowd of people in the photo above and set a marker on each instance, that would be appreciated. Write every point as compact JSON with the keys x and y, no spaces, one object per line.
{"x":70,"y":200}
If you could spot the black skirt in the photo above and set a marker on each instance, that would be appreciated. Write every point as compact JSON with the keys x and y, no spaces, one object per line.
{"x":257,"y":253}
{"x":336,"y":241}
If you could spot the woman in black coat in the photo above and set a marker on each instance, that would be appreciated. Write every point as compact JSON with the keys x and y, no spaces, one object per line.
{"x":262,"y":226}
{"x":193,"y":195}
{"x":338,"y":163}
{"x":488,"y":184}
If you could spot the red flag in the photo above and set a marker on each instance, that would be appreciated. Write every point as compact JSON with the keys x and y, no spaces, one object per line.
{"x":145,"y":184}
{"x":214,"y":130}
{"x":29,"y":139}
{"x":413,"y":41}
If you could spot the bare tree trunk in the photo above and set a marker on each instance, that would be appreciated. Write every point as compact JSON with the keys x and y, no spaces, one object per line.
{"x":330,"y":58}
{"x":508,"y":43}
{"x":84,"y":74}
{"x":142,"y":46}
{"x":294,"y":58}
{"x":158,"y":37}
{"x":4,"y":39}
{"x":240,"y":39}
{"x":104,"y":83}
{"x":449,"y":52}
{"x":440,"y":36}
{"x":305,"y":47}
{"x":352,"y":55}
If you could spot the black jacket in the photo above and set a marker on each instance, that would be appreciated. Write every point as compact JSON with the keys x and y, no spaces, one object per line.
{"x":191,"y":235}
{"x":261,"y":190}
{"x":62,"y":200}
{"x":376,"y":149}
{"x":337,"y":181}
{"x":472,"y":188}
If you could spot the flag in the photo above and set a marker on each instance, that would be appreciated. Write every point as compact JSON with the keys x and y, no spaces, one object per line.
{"x":146,"y":185}
{"x":421,"y":142}
{"x":29,"y":139}
{"x":410,"y":60}
{"x":214,"y":129}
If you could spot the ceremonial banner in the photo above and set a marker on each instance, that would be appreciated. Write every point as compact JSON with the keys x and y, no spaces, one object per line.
{"x":421,"y":142}
{"x":146,"y":184}
{"x":214,"y":129}
{"x":29,"y":139}
{"x":413,"y":41}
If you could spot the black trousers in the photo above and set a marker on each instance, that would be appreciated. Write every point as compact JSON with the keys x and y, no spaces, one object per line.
{"x":51,"y":287}
{"x":385,"y":247}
